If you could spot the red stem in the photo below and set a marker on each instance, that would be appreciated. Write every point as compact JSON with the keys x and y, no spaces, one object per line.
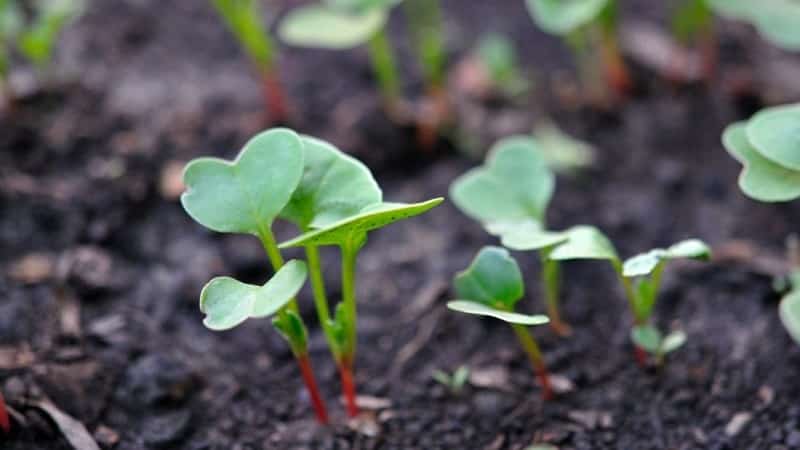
{"x":348,"y":387}
{"x":5,"y":424}
{"x":311,"y":385}
{"x":274,"y":97}
{"x":544,"y":380}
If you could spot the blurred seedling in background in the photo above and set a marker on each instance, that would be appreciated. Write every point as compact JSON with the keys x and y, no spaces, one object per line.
{"x":767,"y":147}
{"x":640,"y":275}
{"x":509,"y":196}
{"x":245,"y":196}
{"x":33,"y":33}
{"x":693,"y":25}
{"x":491,"y":286}
{"x":589,"y":27}
{"x":346,"y":24}
{"x":563,"y":153}
{"x":776,"y":20}
{"x":244,"y":18}
{"x":350,"y":235}
{"x":498,"y":58}
{"x":652,"y":341}
{"x":454,"y":382}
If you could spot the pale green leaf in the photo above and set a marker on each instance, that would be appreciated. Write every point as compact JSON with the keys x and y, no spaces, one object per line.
{"x":321,"y":26}
{"x":564,"y":16}
{"x":775,"y":134}
{"x":470,"y":307}
{"x":228,"y":302}
{"x":563,"y":153}
{"x":647,"y":337}
{"x":790,"y":314}
{"x":334,"y":186}
{"x":532,"y":237}
{"x":493,"y":278}
{"x":245,"y":196}
{"x":514,"y":185}
{"x":689,"y":249}
{"x":585,"y":242}
{"x":779,"y":22}
{"x":353,"y":230}
{"x":761,"y":179}
{"x":643,"y":263}
{"x":673,"y":341}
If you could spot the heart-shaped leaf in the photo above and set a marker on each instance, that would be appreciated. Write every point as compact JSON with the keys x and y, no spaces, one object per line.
{"x":775,"y":134}
{"x":353,"y":230}
{"x":334,"y":186}
{"x":761,"y":179}
{"x":228,"y":302}
{"x":479,"y":309}
{"x":245,"y":196}
{"x":790,"y":314}
{"x":493,"y":278}
{"x":321,"y":26}
{"x":514,"y":186}
{"x":585,"y":242}
{"x":646,"y":263}
{"x":564,"y":16}
{"x":563,"y":153}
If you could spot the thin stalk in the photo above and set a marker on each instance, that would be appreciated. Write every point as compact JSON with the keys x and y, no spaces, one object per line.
{"x":639,"y":352}
{"x":5,"y":423}
{"x":614,"y":68}
{"x":588,"y":74}
{"x":535,"y":356}
{"x":346,"y":363}
{"x":551,"y":280}
{"x":318,"y":288}
{"x":300,"y":352}
{"x":274,"y":96}
{"x":425,"y":21}
{"x":385,"y":68}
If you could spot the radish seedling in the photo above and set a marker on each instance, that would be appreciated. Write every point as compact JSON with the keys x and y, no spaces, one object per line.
{"x":651,"y":340}
{"x":640,"y":275}
{"x":453,"y":382}
{"x":345,"y":24}
{"x":245,"y":196}
{"x":767,"y":147}
{"x":491,"y":286}
{"x":350,"y":235}
{"x":244,"y":19}
{"x":693,"y":24}
{"x":509,"y":195}
{"x":590,"y":28}
{"x":775,"y":20}
{"x":334,"y":186}
{"x":499,"y":58}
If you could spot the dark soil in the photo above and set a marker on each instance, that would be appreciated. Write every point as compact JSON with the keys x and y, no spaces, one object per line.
{"x":103,"y":318}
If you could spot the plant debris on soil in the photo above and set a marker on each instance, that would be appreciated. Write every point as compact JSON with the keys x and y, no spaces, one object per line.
{"x":101,"y":338}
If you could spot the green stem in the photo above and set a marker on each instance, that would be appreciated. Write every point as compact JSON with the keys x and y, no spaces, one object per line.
{"x":534,"y":354}
{"x":551,"y":280}
{"x":349,"y":254}
{"x":425,"y":21}
{"x":318,"y":288}
{"x":385,"y":67}
{"x":276,"y":259}
{"x":628,"y":287}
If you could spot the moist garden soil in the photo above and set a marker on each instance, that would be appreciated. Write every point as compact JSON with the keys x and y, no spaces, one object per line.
{"x":101,"y":268}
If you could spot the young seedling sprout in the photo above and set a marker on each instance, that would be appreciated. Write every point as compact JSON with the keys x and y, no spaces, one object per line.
{"x":590,"y":28}
{"x":244,"y":19}
{"x":350,"y":235}
{"x":454,"y":382}
{"x":775,"y":20}
{"x":498,"y":57}
{"x":766,"y":145}
{"x":693,"y":24}
{"x":640,"y":277}
{"x":491,"y":286}
{"x":509,"y":195}
{"x":245,"y":196}
{"x":346,"y":24}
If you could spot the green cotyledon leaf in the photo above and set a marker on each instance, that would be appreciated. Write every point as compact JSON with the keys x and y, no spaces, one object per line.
{"x":562,"y":17}
{"x":646,"y":263}
{"x":479,"y":309}
{"x":245,"y":195}
{"x":228,"y":302}
{"x":322,"y":26}
{"x":790,"y":314}
{"x":334,"y":186}
{"x":353,"y":230}
{"x":493,"y":278}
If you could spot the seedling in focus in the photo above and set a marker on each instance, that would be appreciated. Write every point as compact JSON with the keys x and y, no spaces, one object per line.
{"x":491,"y":286}
{"x":244,"y":19}
{"x":245,"y":196}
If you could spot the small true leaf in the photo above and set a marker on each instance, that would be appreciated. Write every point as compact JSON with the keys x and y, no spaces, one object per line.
{"x":564,"y":16}
{"x":585,"y":242}
{"x":673,"y":341}
{"x":790,"y":314}
{"x":647,"y":337}
{"x":334,"y":186}
{"x":493,"y":278}
{"x":471,"y":307}
{"x":228,"y":302}
{"x":247,"y":194}
{"x":325,"y":27}
{"x":761,"y":178}
{"x":515,"y":185}
{"x":353,"y":230}
{"x":646,"y":263}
